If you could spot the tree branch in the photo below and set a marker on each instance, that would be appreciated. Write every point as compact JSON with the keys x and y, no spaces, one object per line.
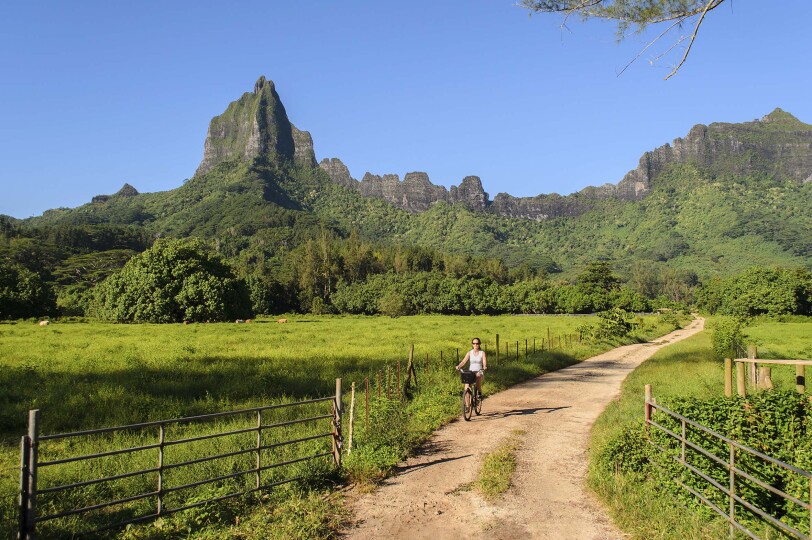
{"x":633,"y":13}
{"x":711,"y":4}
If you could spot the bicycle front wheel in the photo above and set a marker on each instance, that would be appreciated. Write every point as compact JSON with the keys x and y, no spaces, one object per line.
{"x":467,"y":405}
{"x":478,"y":403}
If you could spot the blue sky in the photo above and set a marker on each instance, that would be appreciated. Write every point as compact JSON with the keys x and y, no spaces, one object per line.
{"x":95,"y":94}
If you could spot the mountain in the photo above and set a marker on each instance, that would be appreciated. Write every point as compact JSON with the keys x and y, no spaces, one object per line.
{"x":724,"y":197}
{"x":255,"y":125}
{"x":778,"y":146}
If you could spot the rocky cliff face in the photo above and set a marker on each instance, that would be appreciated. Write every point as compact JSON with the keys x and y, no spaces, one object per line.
{"x":779,"y":145}
{"x":253,"y":126}
{"x":257,"y":125}
{"x":414,"y":194}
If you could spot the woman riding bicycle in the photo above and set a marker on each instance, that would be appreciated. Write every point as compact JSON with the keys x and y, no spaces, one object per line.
{"x":477,"y":362}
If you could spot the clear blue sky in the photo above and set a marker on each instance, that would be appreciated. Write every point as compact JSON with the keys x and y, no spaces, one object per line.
{"x":95,"y":94}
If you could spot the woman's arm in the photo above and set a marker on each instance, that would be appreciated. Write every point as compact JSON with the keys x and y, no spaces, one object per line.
{"x":464,"y":360}
{"x":484,"y":360}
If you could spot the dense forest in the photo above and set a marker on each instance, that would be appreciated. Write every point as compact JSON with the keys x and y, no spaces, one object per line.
{"x":297,"y":241}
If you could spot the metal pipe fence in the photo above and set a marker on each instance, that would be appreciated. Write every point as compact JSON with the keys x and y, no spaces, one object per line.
{"x":140,"y":472}
{"x":732,"y":484}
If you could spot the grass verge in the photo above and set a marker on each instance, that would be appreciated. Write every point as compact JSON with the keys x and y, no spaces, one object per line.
{"x":685,"y":369}
{"x":496,"y":473}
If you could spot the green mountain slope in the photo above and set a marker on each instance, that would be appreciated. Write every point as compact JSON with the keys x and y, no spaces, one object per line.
{"x":725,"y":198}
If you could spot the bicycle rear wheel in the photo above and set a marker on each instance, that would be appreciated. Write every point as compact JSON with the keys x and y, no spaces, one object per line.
{"x":467,"y":405}
{"x":478,"y":402}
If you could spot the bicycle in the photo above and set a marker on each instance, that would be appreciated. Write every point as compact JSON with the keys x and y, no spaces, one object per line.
{"x":471,"y":398}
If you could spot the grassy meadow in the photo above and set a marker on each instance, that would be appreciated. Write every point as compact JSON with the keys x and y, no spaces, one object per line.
{"x":685,"y":369}
{"x":84,"y":375}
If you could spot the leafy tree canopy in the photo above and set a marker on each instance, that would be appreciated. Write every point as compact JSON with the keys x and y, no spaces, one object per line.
{"x":173,"y":281}
{"x":23,"y":293}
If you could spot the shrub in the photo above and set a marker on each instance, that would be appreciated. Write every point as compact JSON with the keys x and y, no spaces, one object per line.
{"x":173,"y":281}
{"x":727,"y":337}
{"x":614,"y":323}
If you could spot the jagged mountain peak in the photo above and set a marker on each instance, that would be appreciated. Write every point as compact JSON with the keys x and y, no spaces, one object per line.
{"x":254,"y":126}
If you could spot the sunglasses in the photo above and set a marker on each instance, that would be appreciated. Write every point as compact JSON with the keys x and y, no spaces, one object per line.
{"x":474,"y":343}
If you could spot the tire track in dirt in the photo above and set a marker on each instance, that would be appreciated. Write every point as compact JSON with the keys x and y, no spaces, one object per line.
{"x":428,"y":498}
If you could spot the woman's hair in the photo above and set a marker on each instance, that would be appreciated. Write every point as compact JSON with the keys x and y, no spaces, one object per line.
{"x":476,"y":338}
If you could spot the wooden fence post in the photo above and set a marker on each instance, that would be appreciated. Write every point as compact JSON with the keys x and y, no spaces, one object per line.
{"x":752,"y":353}
{"x":800,"y":379}
{"x":517,"y":351}
{"x":411,"y":373}
{"x":352,"y":417}
{"x":728,"y":377}
{"x":366,"y":409}
{"x":741,"y":387}
{"x":647,"y":408}
{"x":497,"y":350}
{"x":765,"y":381}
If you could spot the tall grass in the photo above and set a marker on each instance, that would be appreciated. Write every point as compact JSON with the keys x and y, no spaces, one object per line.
{"x":685,"y":369}
{"x":89,"y":375}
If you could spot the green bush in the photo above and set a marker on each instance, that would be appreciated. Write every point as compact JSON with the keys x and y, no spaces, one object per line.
{"x":173,"y":281}
{"x":23,"y":293}
{"x":613,"y":323}
{"x":727,"y":337}
{"x":628,"y":452}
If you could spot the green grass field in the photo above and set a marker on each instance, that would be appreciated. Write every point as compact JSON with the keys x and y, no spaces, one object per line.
{"x":687,"y":368}
{"x":89,"y":375}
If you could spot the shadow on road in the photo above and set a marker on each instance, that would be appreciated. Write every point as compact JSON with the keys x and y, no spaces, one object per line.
{"x":520,"y":412}
{"x":405,"y":469}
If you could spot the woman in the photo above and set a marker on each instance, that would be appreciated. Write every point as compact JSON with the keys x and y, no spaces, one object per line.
{"x":477,"y":362}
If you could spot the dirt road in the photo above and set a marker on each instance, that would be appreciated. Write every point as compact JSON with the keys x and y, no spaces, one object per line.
{"x":427,"y":498}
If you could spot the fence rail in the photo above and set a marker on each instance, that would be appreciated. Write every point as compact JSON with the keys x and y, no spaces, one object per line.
{"x":38,"y":506}
{"x":734,"y":491}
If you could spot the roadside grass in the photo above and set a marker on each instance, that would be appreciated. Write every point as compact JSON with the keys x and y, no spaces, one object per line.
{"x":496,"y":472}
{"x":90,"y":374}
{"x":687,"y":368}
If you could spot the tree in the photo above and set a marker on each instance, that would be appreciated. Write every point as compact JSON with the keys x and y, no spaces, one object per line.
{"x":23,"y":293}
{"x":637,"y":15}
{"x":174,"y":280}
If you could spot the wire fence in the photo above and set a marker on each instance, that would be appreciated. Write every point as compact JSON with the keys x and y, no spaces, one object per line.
{"x":740,"y":484}
{"x":83,"y":483}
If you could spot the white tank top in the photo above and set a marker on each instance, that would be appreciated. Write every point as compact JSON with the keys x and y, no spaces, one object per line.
{"x":475,"y":361}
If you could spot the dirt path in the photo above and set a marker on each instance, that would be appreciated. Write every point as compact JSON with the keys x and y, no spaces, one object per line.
{"x":427,"y":497}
